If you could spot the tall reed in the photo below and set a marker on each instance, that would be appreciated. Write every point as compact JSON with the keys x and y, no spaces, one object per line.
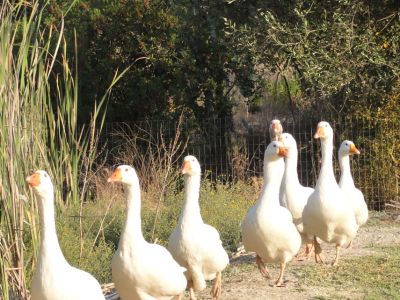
{"x":38,"y":130}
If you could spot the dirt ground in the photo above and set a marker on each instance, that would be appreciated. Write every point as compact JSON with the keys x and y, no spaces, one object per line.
{"x":243,"y":281}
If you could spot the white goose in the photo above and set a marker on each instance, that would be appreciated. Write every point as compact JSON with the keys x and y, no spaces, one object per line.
{"x":327,"y":214}
{"x":141,"y":270}
{"x":292,"y":194}
{"x":268,"y":228}
{"x":194,"y":244}
{"x":346,"y":182}
{"x":275,"y":130}
{"x":54,"y":277}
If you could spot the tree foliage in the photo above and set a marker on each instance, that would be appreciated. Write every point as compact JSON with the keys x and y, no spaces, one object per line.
{"x":189,"y":55}
{"x":344,"y":54}
{"x":176,"y":51}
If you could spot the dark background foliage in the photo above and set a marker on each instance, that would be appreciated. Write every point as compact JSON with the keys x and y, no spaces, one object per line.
{"x":331,"y":56}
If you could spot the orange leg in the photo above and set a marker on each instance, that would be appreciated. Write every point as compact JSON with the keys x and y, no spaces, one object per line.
{"x":317,"y":251}
{"x":336,"y":260}
{"x":349,"y":245}
{"x":192,"y":296}
{"x":279,"y":282}
{"x":261,"y":266}
{"x":305,"y":254}
{"x":179,"y":297}
{"x":216,"y":289}
{"x":309,"y":249}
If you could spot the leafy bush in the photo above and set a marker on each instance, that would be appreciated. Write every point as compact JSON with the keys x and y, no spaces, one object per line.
{"x":95,"y":259}
{"x":224,"y":207}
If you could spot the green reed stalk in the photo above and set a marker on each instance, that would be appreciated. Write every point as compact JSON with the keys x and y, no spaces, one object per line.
{"x":38,"y":130}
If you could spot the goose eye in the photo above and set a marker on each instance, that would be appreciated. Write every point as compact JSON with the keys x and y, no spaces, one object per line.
{"x":126,"y":169}
{"x":275,"y":146}
{"x":347,"y":144}
{"x":45,"y":175}
{"x":326,"y":125}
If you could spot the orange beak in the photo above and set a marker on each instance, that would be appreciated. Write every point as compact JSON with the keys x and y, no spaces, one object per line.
{"x":33,"y":180}
{"x":185,"y":167}
{"x":353,"y":149}
{"x":282,"y":151}
{"x":320,"y":133}
{"x":115,"y":177}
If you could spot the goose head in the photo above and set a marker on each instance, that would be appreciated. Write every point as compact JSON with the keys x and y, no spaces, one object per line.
{"x":191,"y":166}
{"x":324,"y":131}
{"x":289,"y":144}
{"x":275,"y":150}
{"x":41,"y":183}
{"x":275,"y":129}
{"x":348,"y":148}
{"x":124,"y":174}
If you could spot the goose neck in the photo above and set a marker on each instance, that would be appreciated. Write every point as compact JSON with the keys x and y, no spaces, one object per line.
{"x":191,"y":208}
{"x":273,"y":173}
{"x":345,"y":178}
{"x":132,"y":231}
{"x":49,"y":245}
{"x":326,"y":171}
{"x":290,"y":175}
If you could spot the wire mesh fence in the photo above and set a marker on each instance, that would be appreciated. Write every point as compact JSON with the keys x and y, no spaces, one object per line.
{"x":232,"y":149}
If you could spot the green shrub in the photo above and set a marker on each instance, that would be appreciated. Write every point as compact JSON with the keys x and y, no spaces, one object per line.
{"x":224,"y":206}
{"x":95,"y":259}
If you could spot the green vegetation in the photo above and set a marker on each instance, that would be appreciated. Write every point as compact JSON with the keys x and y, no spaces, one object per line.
{"x":225,"y":206}
{"x":375,"y":275}
{"x":38,"y":130}
{"x":181,"y":59}
{"x":295,"y":60}
{"x":320,"y":57}
{"x":381,"y":218}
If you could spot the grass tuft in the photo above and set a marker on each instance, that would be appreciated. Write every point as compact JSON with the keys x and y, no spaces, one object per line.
{"x":374,"y":275}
